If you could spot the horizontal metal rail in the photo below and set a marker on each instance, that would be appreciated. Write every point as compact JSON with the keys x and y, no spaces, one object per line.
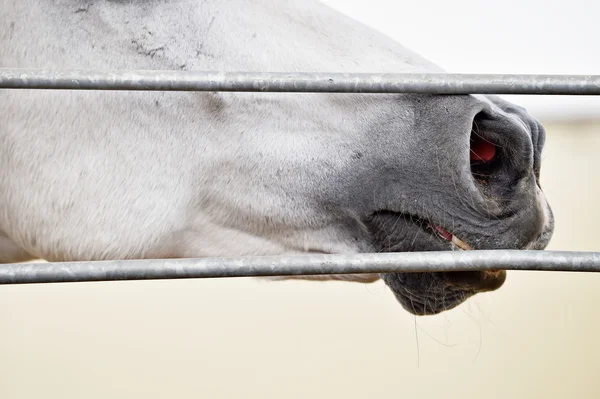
{"x":434,"y":83}
{"x":317,"y":264}
{"x":25,"y":273}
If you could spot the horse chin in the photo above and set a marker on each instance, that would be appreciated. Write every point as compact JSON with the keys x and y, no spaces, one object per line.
{"x":432,"y":293}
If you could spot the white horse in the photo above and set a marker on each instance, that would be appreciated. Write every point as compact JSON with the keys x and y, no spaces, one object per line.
{"x":121,"y":175}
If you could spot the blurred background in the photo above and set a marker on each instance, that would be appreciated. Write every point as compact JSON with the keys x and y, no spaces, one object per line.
{"x":534,"y":338}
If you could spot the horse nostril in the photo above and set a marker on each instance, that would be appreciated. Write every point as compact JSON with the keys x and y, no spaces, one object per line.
{"x":482,"y":150}
{"x":479,"y":281}
{"x":501,"y":155}
{"x":484,"y":156}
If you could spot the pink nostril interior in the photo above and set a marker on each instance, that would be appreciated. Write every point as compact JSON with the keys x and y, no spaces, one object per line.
{"x":482,"y":150}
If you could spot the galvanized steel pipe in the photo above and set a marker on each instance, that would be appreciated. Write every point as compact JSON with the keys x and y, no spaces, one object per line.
{"x":311,"y":264}
{"x":434,"y":83}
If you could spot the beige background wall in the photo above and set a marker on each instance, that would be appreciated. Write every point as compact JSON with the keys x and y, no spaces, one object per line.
{"x":535,"y":338}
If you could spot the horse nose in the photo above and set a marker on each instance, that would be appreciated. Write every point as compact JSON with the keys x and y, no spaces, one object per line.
{"x":500,"y":153}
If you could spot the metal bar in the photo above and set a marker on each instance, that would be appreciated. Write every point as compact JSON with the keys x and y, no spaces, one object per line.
{"x":434,"y":83}
{"x":314,"y":264}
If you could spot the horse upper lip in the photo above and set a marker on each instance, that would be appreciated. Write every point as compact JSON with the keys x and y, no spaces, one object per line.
{"x":446,"y":235}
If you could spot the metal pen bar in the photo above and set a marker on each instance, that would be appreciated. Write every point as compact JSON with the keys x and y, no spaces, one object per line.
{"x":313,"y":264}
{"x":435,"y":83}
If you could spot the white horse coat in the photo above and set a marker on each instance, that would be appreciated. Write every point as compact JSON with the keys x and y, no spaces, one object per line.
{"x":120,"y":175}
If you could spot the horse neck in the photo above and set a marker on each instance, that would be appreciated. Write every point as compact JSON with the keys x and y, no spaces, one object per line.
{"x":275,"y":36}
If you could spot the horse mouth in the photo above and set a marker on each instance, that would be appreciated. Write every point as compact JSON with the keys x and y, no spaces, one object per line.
{"x":432,"y":229}
{"x":428,"y":293}
{"x":478,"y":281}
{"x":446,"y":235}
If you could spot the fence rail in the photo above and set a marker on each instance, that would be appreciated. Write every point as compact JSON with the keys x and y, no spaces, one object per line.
{"x":434,"y":83}
{"x":152,"y":269}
